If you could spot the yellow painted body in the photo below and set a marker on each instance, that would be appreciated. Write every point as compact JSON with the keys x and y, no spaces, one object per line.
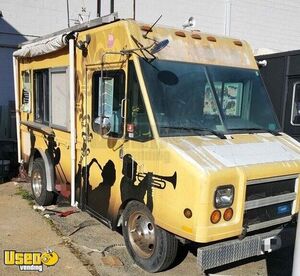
{"x":198,"y":175}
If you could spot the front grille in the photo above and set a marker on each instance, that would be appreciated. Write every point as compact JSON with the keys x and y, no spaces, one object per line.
{"x":267,"y":213}
{"x":273,"y":188}
{"x":269,"y":202}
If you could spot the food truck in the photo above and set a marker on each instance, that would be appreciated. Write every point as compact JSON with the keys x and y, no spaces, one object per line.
{"x":166,"y":133}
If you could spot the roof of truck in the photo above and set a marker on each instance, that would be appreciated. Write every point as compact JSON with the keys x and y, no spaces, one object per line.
{"x":183,"y":45}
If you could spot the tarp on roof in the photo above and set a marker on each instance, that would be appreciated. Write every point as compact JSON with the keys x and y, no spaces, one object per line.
{"x":42,"y":47}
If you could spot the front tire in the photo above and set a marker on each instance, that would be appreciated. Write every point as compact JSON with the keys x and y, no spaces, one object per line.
{"x":39,"y":183}
{"x":151,"y":247}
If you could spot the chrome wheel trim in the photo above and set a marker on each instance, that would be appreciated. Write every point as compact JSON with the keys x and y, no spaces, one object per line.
{"x":141,"y":232}
{"x":37,"y":184}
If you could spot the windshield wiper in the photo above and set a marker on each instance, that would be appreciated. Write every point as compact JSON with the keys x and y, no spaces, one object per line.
{"x":254,"y":129}
{"x":216,"y":133}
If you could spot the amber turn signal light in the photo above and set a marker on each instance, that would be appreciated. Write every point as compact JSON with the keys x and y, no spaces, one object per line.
{"x":188,"y":213}
{"x":228,"y":214}
{"x":215,"y":216}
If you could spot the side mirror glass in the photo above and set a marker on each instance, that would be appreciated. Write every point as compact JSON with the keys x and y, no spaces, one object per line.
{"x":102,"y":125}
{"x":105,"y":126}
{"x":159,"y":46}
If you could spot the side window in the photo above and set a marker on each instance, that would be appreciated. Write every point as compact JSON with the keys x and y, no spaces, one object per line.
{"x":59,"y":98}
{"x":26,"y":92}
{"x":137,"y":126}
{"x":41,"y":96}
{"x":295,"y":114}
{"x":113,"y":85}
{"x":51,"y":97}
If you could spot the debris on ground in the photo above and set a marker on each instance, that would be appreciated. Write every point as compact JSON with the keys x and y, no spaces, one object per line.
{"x":82,"y":225}
{"x":111,"y":261}
{"x":51,"y":210}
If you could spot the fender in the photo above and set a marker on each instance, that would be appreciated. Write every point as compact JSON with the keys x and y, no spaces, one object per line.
{"x":49,"y":168}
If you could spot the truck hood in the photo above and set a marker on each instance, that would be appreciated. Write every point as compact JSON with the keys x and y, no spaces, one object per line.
{"x":238,"y":150}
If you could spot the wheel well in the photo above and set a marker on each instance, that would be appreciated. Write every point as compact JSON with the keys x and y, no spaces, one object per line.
{"x":34,"y":155}
{"x":119,"y":219}
{"x":39,"y":153}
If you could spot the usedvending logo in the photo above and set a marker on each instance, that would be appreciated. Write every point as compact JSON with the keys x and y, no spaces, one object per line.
{"x":30,"y":261}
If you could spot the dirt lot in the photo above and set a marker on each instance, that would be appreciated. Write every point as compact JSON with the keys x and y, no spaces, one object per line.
{"x":86,"y":247}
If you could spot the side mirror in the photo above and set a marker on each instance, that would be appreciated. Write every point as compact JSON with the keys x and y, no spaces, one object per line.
{"x":105,"y":126}
{"x":159,"y":46}
{"x":102,"y":125}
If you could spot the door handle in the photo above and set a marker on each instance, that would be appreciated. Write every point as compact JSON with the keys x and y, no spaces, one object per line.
{"x":123,"y":108}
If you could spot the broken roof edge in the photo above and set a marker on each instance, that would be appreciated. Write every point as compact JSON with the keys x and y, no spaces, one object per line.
{"x":77,"y":28}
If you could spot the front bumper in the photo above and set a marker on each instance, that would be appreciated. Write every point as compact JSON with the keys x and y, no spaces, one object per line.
{"x":219,"y":254}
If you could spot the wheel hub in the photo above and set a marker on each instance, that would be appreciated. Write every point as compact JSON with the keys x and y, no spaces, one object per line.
{"x":141,"y":234}
{"x":37,"y":184}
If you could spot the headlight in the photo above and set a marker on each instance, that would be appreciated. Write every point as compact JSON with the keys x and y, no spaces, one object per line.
{"x":224,"y":196}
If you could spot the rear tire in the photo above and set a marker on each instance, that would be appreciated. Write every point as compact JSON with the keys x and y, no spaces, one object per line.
{"x":151,"y":247}
{"x":39,"y":183}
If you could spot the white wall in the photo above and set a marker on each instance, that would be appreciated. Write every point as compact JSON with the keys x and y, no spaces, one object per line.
{"x":271,"y":24}
{"x":267,"y":24}
{"x":39,"y":17}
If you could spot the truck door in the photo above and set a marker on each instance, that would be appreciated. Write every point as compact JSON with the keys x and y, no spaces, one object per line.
{"x":106,"y":92}
{"x":292,"y":112}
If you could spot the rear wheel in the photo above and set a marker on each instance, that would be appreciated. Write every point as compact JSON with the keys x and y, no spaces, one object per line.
{"x":39,"y":183}
{"x":151,"y":247}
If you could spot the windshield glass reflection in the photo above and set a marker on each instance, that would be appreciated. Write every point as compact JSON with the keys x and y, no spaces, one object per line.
{"x":188,"y":98}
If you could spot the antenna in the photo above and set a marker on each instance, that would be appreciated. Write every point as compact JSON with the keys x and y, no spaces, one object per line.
{"x":68,"y":14}
{"x":191,"y":22}
{"x":134,"y":9}
{"x":150,"y":30}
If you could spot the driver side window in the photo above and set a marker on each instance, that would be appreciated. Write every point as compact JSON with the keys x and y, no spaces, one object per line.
{"x":113,"y":85}
{"x":137,"y":126}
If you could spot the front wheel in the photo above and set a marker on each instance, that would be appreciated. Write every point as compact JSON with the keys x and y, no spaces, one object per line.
{"x":39,"y":183}
{"x":151,"y":247}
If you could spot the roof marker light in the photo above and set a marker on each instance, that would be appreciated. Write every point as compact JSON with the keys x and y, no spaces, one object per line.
{"x":212,"y":39}
{"x":181,"y":34}
{"x":238,"y":43}
{"x":146,"y":28}
{"x":196,"y":36}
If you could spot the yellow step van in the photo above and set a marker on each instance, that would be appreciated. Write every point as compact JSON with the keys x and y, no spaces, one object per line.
{"x":167,"y":133}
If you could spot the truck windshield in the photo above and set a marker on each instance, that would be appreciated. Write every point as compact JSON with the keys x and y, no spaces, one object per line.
{"x":189,"y":99}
